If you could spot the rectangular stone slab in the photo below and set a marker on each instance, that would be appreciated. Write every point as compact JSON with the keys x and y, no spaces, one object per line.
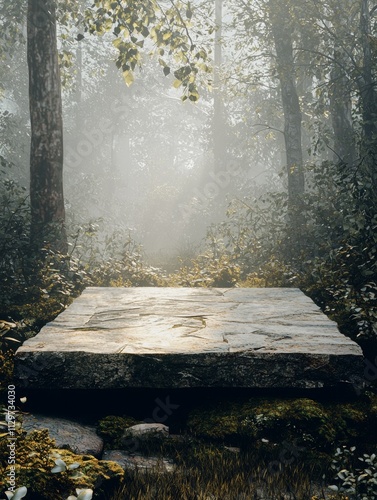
{"x":112,"y":338}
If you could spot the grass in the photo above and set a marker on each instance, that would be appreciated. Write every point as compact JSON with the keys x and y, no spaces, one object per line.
{"x":208,"y":473}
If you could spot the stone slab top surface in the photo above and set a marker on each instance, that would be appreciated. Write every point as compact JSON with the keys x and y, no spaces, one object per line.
{"x":187,"y":329}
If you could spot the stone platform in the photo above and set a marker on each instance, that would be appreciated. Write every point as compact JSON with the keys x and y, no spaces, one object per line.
{"x":116,"y":338}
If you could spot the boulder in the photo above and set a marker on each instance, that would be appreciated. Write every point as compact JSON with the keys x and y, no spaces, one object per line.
{"x":80,"y":439}
{"x":117,"y":338}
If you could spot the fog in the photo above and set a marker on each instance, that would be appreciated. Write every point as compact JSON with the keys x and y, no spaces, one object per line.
{"x":139,"y":160}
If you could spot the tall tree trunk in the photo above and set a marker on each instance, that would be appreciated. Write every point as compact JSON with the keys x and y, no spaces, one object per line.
{"x":219,"y":131}
{"x":281,"y":30}
{"x":341,"y":116}
{"x":367,"y":83}
{"x":46,"y":156}
{"x":369,"y":109}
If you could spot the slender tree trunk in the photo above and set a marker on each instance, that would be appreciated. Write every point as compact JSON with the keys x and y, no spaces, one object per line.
{"x":281,"y":30}
{"x":304,"y":90}
{"x":78,"y":93}
{"x":46,"y":156}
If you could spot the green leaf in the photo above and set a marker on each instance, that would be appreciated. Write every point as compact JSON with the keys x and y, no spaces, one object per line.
{"x":117,"y":42}
{"x":167,"y":35}
{"x":194,"y":96}
{"x":128,"y":77}
{"x":166,"y":70}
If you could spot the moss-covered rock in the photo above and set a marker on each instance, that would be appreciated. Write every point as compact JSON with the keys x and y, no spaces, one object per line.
{"x":316,"y":425}
{"x":35,"y":459}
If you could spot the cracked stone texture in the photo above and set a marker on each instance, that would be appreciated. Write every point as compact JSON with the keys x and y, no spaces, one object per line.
{"x":111,"y":338}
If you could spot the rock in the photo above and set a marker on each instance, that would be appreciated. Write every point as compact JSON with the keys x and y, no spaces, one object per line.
{"x":233,"y":449}
{"x":114,"y":338}
{"x":147,"y":430}
{"x":133,"y":436}
{"x":80,"y":439}
{"x":140,"y":462}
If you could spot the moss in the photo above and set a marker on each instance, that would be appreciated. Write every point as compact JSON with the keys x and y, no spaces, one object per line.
{"x":35,"y":460}
{"x":111,"y":429}
{"x":6,"y":369}
{"x":279,"y":420}
{"x":316,"y":425}
{"x":215,"y":421}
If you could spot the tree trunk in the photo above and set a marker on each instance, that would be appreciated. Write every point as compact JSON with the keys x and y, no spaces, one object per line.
{"x":369,"y":110}
{"x":46,"y":156}
{"x":219,"y":129}
{"x":367,"y":83}
{"x":281,"y":30}
{"x":341,"y":116}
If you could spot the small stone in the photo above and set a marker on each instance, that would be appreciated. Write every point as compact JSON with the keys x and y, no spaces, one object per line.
{"x":80,"y":439}
{"x":233,"y":449}
{"x":147,"y":430}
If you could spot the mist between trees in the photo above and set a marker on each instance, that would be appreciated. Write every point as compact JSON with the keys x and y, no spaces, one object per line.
{"x":235,"y":141}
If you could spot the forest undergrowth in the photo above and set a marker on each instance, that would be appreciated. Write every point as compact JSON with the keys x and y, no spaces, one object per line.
{"x":331,"y":257}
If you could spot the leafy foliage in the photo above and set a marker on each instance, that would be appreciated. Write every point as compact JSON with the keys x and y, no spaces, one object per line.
{"x":167,"y":27}
{"x":112,"y":259}
{"x":359,"y":480}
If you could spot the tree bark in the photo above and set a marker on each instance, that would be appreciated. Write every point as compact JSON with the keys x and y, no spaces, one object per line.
{"x":219,"y":128}
{"x":341,"y":114}
{"x":367,"y":90}
{"x":46,"y":155}
{"x":281,"y":31}
{"x":369,"y":110}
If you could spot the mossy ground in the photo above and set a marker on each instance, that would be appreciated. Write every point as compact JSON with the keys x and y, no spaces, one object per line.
{"x":316,"y":425}
{"x":229,"y":449}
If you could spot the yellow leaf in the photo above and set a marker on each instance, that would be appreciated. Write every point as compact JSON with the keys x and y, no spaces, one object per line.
{"x":177,"y":83}
{"x":128,"y":77}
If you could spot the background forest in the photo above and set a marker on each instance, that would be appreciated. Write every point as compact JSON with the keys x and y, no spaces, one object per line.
{"x":207,"y":143}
